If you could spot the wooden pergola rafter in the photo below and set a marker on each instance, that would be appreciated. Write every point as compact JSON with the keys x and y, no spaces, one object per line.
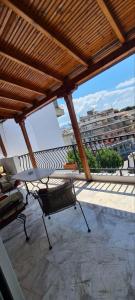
{"x":91,"y":72}
{"x":10,"y":107}
{"x":45,"y":30}
{"x":18,"y":83}
{"x":6,"y":113}
{"x":34,"y":66}
{"x":112,"y":20}
{"x":8,"y":96}
{"x":56,"y":48}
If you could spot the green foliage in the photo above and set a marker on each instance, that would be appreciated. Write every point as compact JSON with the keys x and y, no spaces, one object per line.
{"x":91,"y":158}
{"x":105,"y":158}
{"x":72,"y":158}
{"x":108,"y":158}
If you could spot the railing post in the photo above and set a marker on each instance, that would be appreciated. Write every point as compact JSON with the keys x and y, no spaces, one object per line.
{"x":120,"y":172}
{"x":23,"y":128}
{"x":69,"y":102}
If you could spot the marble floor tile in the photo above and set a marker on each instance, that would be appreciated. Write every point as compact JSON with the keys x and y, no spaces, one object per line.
{"x":81,"y":266}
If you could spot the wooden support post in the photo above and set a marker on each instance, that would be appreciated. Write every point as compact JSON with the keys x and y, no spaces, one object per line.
{"x":3,"y":149}
{"x":32,"y":158}
{"x":70,"y":106}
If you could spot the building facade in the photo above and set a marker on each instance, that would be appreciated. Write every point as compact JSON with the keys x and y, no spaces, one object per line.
{"x":103,"y":125}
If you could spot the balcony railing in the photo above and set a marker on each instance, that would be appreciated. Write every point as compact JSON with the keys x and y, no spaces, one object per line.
{"x":57,"y":157}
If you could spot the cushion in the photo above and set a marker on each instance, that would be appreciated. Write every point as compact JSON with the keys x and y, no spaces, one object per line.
{"x":11,"y":201}
{"x":57,"y":189}
{"x":14,"y":210}
{"x":57,"y":198}
{"x":6,"y":183}
{"x":3,"y":179}
{"x":10,"y":207}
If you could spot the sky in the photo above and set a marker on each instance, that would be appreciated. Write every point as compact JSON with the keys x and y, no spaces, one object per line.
{"x":113,"y":88}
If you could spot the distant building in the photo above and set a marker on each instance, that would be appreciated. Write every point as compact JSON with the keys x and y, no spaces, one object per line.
{"x":68,"y":136}
{"x":103,"y":125}
{"x":59,"y":111}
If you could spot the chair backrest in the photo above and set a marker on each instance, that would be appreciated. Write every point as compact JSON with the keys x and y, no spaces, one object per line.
{"x":56,"y":199}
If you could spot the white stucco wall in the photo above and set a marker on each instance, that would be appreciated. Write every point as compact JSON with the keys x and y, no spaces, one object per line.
{"x":13,"y":139}
{"x":46,"y":128}
{"x":43,"y":130}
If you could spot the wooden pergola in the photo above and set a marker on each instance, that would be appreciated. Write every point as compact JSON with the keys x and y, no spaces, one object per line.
{"x":49,"y":47}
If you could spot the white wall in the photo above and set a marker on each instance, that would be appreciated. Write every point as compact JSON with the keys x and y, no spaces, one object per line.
{"x":12,"y":138}
{"x":43,"y":130}
{"x":46,"y":128}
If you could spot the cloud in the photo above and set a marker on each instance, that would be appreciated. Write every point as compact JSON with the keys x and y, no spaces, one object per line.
{"x":125,"y":83}
{"x":104,"y":99}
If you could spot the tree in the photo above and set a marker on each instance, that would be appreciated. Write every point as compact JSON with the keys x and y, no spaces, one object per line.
{"x":91,"y":159}
{"x":72,"y":158}
{"x":105,"y":158}
{"x":109,"y":158}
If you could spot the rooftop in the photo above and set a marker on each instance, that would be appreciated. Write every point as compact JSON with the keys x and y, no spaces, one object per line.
{"x":97,"y":117}
{"x":81,"y":265}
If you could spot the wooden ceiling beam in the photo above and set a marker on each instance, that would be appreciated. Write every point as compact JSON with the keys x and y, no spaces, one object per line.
{"x":111,"y":19}
{"x":111,"y":59}
{"x":18,"y":8}
{"x":7,"y":113}
{"x":10,"y":107}
{"x":27,"y":63}
{"x":105,"y":63}
{"x":8,"y":110}
{"x":10,"y":96}
{"x":6,"y":117}
{"x":16,"y":82}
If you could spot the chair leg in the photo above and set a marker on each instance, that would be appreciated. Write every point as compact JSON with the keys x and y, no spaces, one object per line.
{"x":27,"y":199}
{"x":50,"y":246}
{"x":25,"y":231}
{"x":89,"y":230}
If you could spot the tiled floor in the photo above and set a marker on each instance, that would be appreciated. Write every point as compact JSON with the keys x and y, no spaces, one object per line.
{"x":81,"y":266}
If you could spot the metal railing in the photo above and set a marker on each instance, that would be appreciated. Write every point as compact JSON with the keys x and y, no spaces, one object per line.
{"x":51,"y":158}
{"x":57,"y":157}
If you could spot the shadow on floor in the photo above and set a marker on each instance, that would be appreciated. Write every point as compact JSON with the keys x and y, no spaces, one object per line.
{"x":106,"y":187}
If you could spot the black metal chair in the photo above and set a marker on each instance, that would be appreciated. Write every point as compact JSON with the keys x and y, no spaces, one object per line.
{"x":57,"y":199}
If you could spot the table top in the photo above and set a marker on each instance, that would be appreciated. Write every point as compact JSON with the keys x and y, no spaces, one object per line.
{"x":33,"y":174}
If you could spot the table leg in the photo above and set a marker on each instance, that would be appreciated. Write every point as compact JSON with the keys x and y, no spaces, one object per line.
{"x":46,"y":183}
{"x":28,"y":192}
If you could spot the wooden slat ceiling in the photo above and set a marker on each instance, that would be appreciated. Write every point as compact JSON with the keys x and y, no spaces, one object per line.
{"x":48,"y":47}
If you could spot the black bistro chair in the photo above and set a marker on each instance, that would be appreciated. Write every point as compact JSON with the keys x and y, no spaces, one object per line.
{"x":57,"y":199}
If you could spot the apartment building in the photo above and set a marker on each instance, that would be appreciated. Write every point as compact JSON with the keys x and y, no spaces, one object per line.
{"x":103,"y":125}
